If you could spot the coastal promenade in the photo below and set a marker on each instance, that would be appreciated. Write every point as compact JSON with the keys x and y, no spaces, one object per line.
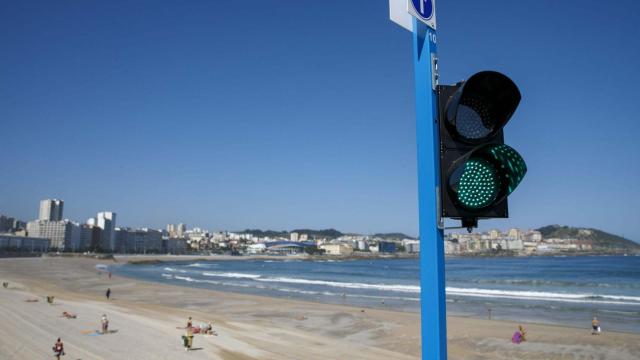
{"x":147,"y":317}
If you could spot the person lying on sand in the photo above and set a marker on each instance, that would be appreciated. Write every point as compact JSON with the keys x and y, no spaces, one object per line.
{"x":69,"y":315}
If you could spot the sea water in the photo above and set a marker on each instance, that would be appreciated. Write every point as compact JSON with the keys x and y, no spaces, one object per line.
{"x":551,"y":290}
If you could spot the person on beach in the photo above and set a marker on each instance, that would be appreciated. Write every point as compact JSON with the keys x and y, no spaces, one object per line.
{"x":105,"y":324}
{"x":523,"y":332}
{"x":595,"y":326}
{"x":208,"y":329}
{"x":69,"y":315}
{"x":58,"y":349}
{"x":188,"y":337}
{"x":108,"y":293}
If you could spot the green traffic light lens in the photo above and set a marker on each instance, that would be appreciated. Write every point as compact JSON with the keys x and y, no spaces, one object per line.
{"x":511,"y":163}
{"x":479,"y":184}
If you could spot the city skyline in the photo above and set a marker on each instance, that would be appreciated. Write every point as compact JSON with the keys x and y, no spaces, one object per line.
{"x":106,"y":221}
{"x":182,"y":115}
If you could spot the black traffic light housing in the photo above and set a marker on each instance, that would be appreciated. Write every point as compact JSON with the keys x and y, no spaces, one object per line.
{"x":477,"y":170}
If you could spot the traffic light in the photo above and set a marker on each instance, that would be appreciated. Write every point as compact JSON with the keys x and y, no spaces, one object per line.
{"x":477,"y":170}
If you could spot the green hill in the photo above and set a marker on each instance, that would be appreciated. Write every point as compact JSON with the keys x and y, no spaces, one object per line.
{"x":328,"y":233}
{"x":393,"y":236}
{"x":266,"y":233}
{"x":600,"y":239}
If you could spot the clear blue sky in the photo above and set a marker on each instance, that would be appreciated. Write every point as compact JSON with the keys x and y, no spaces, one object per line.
{"x":284,"y":114}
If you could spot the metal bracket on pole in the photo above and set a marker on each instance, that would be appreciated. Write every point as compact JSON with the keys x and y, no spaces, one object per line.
{"x":435,"y":76}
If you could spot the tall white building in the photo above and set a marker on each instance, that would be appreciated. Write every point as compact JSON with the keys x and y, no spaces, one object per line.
{"x":64,"y":235}
{"x":51,"y":210}
{"x":106,"y":220}
{"x":181,"y":229}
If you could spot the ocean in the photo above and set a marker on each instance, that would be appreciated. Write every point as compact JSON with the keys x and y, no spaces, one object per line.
{"x":549,"y":290}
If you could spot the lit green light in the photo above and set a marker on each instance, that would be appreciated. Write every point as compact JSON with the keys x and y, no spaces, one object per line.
{"x":515,"y":163}
{"x":479,"y":184}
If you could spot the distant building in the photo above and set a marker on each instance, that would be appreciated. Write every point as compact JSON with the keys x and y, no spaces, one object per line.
{"x":24,"y":243}
{"x":181,"y":229}
{"x":451,"y":247}
{"x":174,"y":246}
{"x":90,"y":236}
{"x":510,"y":243}
{"x":362,"y":245}
{"x":106,"y":221}
{"x":294,"y":236}
{"x":337,"y":249}
{"x":386,"y":247}
{"x":139,"y":241}
{"x":256,"y":248}
{"x":516,"y":234}
{"x":533,"y":236}
{"x":51,"y":210}
{"x":412,"y":246}
{"x":6,"y":224}
{"x":303,"y":237}
{"x":19,"y":225}
{"x":64,"y":235}
{"x":287,"y":247}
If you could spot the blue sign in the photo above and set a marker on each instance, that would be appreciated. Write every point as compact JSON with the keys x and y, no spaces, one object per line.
{"x":424,"y":8}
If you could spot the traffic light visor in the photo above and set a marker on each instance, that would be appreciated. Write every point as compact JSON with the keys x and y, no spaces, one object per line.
{"x":482,"y":106}
{"x":486,"y":175}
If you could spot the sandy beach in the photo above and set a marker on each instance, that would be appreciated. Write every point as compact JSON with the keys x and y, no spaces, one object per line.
{"x":146,"y":319}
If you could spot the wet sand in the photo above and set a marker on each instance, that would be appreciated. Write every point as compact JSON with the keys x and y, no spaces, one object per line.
{"x":147,"y":317}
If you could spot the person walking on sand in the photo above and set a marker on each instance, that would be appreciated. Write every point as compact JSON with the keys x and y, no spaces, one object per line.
{"x":108,"y":293}
{"x":105,"y":324}
{"x":189,"y":324}
{"x":58,"y":349}
{"x":595,"y":326}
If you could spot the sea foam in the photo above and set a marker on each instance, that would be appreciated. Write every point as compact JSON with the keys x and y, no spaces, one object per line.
{"x":545,"y":296}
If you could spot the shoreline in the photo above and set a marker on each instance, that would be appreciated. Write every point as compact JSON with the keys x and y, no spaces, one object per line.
{"x":249,"y":326}
{"x":158,"y":258}
{"x":451,"y":310}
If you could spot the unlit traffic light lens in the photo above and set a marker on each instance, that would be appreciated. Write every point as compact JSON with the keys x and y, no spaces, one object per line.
{"x":481,"y":106}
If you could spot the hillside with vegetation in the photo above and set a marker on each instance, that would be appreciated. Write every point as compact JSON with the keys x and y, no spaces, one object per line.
{"x":393,"y":236}
{"x":601,"y":240}
{"x":322,"y":234}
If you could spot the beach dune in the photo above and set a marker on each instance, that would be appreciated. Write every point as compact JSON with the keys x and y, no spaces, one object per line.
{"x":147,"y":321}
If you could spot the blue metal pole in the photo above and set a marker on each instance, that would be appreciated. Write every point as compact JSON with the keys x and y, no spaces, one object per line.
{"x":432,"y":280}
